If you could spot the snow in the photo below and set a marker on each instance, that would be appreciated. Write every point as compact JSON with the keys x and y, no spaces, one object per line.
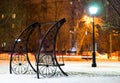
{"x":7,"y":78}
{"x":79,"y":72}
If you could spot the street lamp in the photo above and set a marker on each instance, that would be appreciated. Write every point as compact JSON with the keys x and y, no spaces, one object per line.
{"x":93,"y":10}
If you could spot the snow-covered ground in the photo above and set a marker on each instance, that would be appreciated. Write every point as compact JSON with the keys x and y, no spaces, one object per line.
{"x":79,"y":72}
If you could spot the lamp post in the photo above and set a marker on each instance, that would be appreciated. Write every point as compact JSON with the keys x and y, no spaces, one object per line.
{"x":93,"y":10}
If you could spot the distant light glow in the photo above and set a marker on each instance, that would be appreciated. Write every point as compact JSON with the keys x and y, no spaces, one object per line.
{"x":73,"y":49}
{"x":18,"y":40}
{"x":13,"y":16}
{"x":86,"y":32}
{"x":71,"y":2}
{"x":3,"y":16}
{"x":3,"y":44}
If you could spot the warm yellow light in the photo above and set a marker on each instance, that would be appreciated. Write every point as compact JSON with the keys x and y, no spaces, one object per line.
{"x":13,"y":16}
{"x":87,"y":19}
{"x":3,"y":16}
